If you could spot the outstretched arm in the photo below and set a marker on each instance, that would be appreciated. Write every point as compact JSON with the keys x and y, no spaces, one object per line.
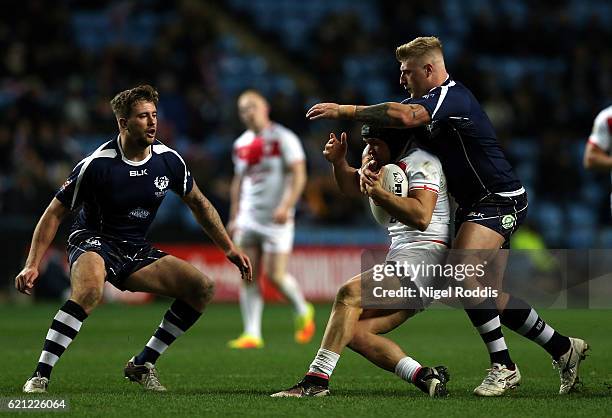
{"x":43,"y":236}
{"x":208,"y":217}
{"x":386,"y":114}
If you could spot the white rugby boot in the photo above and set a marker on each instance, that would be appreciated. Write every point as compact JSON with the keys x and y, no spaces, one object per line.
{"x":569,"y":363}
{"x":498,"y":381}
{"x":36,"y":384}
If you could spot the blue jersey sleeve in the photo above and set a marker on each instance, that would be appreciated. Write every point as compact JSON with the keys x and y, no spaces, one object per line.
{"x":68,"y":193}
{"x":444,"y":102}
{"x":182,"y":180}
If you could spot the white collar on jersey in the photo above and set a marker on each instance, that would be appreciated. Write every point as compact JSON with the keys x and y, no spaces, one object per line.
{"x":130,"y":162}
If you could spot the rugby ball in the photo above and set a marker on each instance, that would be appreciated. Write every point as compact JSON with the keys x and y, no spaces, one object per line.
{"x":394,"y":180}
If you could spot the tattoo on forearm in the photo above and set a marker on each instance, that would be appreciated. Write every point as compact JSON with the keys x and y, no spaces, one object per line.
{"x":378,"y":114}
{"x":375,"y":114}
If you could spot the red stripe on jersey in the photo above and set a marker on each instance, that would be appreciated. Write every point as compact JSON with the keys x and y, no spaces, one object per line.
{"x":609,"y":120}
{"x":431,"y":189}
{"x":402,"y":165}
{"x":275,"y":149}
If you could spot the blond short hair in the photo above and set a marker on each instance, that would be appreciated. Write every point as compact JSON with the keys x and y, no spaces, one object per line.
{"x":418,"y":48}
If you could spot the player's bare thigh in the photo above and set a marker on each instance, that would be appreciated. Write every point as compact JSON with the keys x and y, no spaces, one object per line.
{"x":173,"y":277}
{"x":381,"y":321}
{"x":473,"y":236}
{"x":87,"y":277}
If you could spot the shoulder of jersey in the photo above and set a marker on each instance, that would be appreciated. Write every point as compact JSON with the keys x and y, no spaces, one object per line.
{"x":605,"y":114}
{"x":244,"y":137}
{"x":417,"y":156}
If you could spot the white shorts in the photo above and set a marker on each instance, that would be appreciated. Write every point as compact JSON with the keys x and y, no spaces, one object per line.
{"x":421,"y":256}
{"x":272,"y":238}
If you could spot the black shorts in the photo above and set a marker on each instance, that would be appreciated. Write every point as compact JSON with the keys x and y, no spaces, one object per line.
{"x":121,"y":258}
{"x":501,"y":214}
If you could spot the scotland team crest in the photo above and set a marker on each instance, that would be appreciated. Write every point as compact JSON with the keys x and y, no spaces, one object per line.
{"x":161,"y":183}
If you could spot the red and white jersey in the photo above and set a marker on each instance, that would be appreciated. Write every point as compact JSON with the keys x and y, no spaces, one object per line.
{"x":601,"y":135}
{"x":424,"y":171}
{"x":263,"y":161}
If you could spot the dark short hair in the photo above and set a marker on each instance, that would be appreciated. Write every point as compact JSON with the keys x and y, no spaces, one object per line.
{"x":395,"y":138}
{"x":123,"y":102}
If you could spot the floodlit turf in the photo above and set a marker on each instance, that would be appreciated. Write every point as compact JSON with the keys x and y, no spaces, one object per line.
{"x":205,"y":378}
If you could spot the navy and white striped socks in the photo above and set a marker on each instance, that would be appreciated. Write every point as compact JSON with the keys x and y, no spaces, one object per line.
{"x":522,"y":318}
{"x":178,"y":319}
{"x":64,"y":328}
{"x":485,"y":319}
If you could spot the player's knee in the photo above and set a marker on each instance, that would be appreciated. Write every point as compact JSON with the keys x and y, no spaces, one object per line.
{"x":88,"y":297}
{"x":204,"y":290}
{"x":360,"y":341}
{"x":349,"y":294}
{"x":208,"y":290}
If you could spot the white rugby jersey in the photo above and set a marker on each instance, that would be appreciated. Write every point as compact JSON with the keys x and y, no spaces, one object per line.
{"x":601,"y":135}
{"x":263,"y":162}
{"x":424,"y":171}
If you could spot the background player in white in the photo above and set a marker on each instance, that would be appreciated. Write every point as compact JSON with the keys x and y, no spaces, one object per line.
{"x":118,"y":189}
{"x":420,"y":237}
{"x":270,"y":175}
{"x":597,"y":150}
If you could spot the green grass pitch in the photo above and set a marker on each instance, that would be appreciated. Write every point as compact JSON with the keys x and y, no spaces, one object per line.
{"x":205,"y":378}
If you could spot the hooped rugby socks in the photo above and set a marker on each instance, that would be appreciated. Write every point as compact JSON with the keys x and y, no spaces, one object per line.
{"x":522,"y":318}
{"x":485,"y":318}
{"x":178,"y":319}
{"x":64,"y":328}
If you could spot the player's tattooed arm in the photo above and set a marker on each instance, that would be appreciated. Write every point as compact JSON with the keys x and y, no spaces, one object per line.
{"x":393,"y":114}
{"x":208,"y":217}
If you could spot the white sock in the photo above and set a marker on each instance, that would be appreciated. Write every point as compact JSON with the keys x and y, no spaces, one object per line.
{"x":292,"y":291}
{"x":406,"y":368}
{"x":251,"y":306}
{"x":324,"y":362}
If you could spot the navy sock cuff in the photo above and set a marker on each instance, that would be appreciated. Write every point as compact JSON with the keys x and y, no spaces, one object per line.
{"x":186,"y":313}
{"x":74,"y":309}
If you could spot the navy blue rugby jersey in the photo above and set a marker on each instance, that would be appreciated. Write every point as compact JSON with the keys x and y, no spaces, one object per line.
{"x":462,"y":136}
{"x":118,"y":197}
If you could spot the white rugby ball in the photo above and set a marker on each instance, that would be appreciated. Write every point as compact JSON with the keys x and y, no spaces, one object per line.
{"x":394,"y":180}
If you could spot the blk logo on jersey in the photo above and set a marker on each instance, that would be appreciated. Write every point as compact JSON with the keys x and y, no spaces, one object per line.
{"x":138,"y":173}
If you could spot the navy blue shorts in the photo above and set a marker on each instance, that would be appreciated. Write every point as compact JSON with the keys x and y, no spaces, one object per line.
{"x":501,"y":214}
{"x":121,"y":258}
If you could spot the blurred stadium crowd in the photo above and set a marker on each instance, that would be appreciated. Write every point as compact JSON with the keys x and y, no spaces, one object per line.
{"x":541,"y":69}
